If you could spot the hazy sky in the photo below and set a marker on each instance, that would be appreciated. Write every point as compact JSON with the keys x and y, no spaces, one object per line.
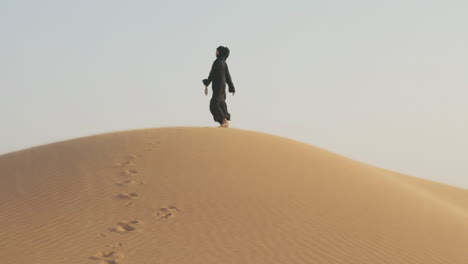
{"x":383,"y":82}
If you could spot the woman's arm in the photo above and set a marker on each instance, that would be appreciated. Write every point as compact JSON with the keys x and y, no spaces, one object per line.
{"x":229,"y":81}
{"x":207,"y":82}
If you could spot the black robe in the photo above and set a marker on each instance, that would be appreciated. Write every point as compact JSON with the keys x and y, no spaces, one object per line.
{"x":219,"y":75}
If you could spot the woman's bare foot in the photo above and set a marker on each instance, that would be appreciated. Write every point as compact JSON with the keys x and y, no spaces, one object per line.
{"x":225,"y":123}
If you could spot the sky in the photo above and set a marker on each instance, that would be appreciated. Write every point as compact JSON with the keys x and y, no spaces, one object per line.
{"x":381,"y":82}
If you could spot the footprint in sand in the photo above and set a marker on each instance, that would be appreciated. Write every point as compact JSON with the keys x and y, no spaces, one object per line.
{"x":124,"y":227}
{"x":107,"y":257}
{"x":129,"y":172}
{"x":100,"y":235}
{"x":128,"y":196}
{"x":115,"y":245}
{"x":124,"y":164}
{"x":123,"y":183}
{"x":166,"y":212}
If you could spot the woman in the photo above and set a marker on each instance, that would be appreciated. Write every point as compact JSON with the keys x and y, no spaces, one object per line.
{"x":219,"y":75}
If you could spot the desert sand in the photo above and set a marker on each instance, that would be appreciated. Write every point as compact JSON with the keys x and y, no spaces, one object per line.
{"x":214,"y":195}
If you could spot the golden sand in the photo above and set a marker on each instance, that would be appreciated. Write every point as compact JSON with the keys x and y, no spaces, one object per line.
{"x":219,"y":196}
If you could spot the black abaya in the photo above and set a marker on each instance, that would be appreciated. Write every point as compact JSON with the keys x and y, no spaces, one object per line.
{"x":219,"y":75}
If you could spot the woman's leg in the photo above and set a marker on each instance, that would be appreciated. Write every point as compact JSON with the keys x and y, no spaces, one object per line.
{"x":216,"y":110}
{"x":227,"y":115}
{"x":223,"y":105}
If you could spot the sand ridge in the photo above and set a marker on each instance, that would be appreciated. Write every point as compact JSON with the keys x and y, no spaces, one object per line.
{"x":208,"y":195}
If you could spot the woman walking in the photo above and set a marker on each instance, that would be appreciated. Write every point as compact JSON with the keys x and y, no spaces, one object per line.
{"x":219,"y":75}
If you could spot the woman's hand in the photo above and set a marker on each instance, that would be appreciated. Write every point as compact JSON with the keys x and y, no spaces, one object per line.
{"x":206,"y":90}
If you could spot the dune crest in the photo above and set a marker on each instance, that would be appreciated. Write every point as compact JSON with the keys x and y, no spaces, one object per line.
{"x":209,"y":195}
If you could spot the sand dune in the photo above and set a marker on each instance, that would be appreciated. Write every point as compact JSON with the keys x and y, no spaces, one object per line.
{"x":209,"y":195}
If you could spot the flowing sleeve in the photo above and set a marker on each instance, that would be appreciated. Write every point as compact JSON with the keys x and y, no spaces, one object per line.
{"x":207,"y":82}
{"x":229,"y":81}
